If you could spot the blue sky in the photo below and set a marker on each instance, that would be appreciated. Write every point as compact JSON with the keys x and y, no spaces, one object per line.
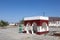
{"x":15,"y":10}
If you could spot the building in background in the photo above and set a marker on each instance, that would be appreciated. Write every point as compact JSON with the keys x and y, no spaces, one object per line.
{"x":54,"y":21}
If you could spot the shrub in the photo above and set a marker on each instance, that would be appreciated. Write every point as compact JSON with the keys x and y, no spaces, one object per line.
{"x":3,"y":23}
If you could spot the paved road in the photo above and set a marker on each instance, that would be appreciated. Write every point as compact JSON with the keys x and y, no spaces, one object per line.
{"x":12,"y":34}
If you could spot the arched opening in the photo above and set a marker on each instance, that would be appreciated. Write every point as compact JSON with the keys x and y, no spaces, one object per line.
{"x":44,"y":25}
{"x":28,"y":26}
{"x":34,"y":25}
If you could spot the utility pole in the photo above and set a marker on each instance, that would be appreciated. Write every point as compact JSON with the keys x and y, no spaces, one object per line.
{"x":43,"y":13}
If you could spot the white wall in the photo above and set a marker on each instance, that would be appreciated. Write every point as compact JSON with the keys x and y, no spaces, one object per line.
{"x":56,"y":23}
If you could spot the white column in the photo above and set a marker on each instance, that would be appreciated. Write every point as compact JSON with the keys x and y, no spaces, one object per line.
{"x":47,"y":28}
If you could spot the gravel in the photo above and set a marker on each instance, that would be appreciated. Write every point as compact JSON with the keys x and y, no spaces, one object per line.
{"x":13,"y":34}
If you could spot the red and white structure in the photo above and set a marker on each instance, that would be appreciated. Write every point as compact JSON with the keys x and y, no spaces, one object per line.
{"x":38,"y":24}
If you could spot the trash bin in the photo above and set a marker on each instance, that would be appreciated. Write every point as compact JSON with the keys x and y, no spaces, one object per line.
{"x":20,"y":29}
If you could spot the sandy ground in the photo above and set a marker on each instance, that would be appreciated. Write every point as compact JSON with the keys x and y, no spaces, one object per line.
{"x":13,"y":34}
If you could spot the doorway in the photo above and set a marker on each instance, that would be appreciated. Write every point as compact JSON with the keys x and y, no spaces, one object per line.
{"x":34,"y":25}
